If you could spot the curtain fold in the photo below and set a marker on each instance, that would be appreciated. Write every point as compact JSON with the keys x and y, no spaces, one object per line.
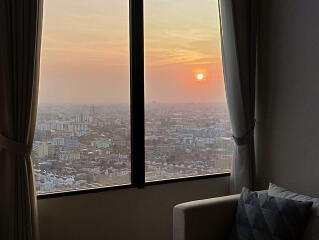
{"x":20,"y":33}
{"x":239,"y":44}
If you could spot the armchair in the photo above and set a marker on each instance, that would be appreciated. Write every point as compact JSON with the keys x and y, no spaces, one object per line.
{"x":209,"y":219}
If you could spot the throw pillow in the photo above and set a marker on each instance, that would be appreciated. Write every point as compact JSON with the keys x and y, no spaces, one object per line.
{"x":266,"y":217}
{"x":312,"y":229}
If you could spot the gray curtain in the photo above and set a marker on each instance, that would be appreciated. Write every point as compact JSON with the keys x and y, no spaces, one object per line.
{"x":239,"y":44}
{"x":20,"y":24}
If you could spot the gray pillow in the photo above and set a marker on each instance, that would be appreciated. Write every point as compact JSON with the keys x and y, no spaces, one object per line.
{"x":263,"y":217}
{"x":312,"y":230}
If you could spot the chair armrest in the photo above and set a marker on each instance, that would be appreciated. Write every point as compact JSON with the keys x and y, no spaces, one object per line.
{"x":209,"y":219}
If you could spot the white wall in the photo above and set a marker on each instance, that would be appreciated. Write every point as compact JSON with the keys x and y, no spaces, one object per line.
{"x":288,"y":95}
{"x":137,"y":214}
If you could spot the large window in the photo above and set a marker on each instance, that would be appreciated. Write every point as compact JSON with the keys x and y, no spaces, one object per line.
{"x":82,"y":137}
{"x":97,"y":125}
{"x":187,"y":124}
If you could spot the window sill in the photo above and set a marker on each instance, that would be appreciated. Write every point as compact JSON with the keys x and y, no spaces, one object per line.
{"x":128,"y":186}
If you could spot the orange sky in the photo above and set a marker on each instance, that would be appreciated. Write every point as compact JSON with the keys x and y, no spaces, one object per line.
{"x":85,"y":56}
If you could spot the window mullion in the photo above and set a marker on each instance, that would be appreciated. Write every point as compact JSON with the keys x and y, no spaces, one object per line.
{"x":137,"y":93}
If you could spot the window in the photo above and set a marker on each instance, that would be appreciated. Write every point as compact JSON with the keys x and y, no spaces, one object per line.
{"x":187,"y":128}
{"x":101,"y":122}
{"x":82,"y":137}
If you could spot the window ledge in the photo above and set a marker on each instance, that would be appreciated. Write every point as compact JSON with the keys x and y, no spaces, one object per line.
{"x":129,"y":186}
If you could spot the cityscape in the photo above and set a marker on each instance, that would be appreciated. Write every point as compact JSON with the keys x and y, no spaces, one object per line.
{"x":88,"y":146}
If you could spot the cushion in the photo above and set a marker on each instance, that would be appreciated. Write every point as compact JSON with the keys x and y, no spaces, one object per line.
{"x":312,"y":230}
{"x":266,"y":217}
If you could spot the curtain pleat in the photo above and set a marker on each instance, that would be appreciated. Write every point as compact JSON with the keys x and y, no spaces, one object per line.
{"x":239,"y":44}
{"x":20,"y":34}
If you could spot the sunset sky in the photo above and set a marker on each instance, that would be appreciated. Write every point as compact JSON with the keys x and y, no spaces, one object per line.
{"x":85,"y":54}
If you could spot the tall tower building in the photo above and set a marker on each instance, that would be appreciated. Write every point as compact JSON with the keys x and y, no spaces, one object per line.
{"x":92,"y":110}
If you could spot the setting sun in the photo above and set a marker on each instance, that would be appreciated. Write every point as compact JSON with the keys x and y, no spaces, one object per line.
{"x":200,"y":76}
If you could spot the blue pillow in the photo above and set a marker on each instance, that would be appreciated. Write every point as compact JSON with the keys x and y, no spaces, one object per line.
{"x":265,"y":217}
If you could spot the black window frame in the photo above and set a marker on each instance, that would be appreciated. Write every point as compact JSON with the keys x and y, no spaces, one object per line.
{"x":136,"y":25}
{"x":137,"y":112}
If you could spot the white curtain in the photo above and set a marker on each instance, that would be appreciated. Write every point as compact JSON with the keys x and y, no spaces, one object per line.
{"x":239,"y":44}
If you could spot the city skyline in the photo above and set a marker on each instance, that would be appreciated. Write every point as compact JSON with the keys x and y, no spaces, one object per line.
{"x":87,"y":146}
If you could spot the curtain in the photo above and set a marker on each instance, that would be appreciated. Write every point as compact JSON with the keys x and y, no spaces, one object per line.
{"x":20,"y":24}
{"x":239,"y":44}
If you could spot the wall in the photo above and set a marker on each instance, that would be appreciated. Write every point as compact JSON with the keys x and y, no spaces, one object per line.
{"x":141,"y":214}
{"x":288,"y":95}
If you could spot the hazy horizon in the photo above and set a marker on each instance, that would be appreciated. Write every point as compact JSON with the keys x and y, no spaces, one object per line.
{"x":125,"y":103}
{"x":85,"y":52}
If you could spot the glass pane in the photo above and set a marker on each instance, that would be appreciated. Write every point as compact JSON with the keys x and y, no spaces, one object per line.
{"x":82,"y":137}
{"x":188,"y":130}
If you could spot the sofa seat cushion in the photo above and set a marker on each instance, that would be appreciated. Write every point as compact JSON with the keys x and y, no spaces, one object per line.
{"x":266,"y":217}
{"x":312,"y":230}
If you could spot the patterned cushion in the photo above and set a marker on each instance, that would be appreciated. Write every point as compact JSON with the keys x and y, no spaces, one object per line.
{"x":312,"y":229}
{"x":276,"y":191}
{"x":265,"y":217}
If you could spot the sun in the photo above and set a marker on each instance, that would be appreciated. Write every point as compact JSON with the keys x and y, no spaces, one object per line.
{"x":200,"y":76}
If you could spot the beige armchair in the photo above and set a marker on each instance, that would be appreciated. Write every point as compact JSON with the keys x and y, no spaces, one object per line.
{"x":209,"y":219}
